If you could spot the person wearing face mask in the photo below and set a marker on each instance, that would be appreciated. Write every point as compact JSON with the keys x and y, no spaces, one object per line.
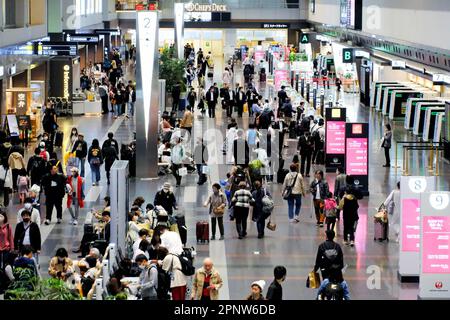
{"x":6,"y":183}
{"x":275,"y":291}
{"x":80,"y":148}
{"x":217,"y":203}
{"x":6,"y":239}
{"x":48,"y":143}
{"x":75,"y":198}
{"x":61,"y":266}
{"x":148,"y":279}
{"x":73,"y":138}
{"x":305,"y":145}
{"x":28,"y":206}
{"x":54,"y":188}
{"x":207,"y":282}
{"x":27,"y":233}
{"x":166,"y":199}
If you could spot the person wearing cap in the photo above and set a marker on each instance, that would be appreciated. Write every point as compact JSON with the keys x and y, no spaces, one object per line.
{"x":241,"y":201}
{"x":257,"y":290}
{"x":207,"y":282}
{"x":43,"y":153}
{"x":80,"y":148}
{"x":75,"y":198}
{"x":28,"y":206}
{"x":54,"y":188}
{"x":166,"y":199}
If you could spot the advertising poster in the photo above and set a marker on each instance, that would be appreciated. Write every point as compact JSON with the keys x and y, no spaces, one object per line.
{"x":434,"y":280}
{"x":357,"y":155}
{"x":281,"y":76}
{"x":410,"y":212}
{"x":335,"y":137}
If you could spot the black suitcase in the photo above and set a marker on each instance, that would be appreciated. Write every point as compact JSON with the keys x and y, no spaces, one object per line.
{"x":292,"y":130}
{"x":281,"y":174}
{"x":210,"y":75}
{"x":182,"y":229}
{"x":59,"y":137}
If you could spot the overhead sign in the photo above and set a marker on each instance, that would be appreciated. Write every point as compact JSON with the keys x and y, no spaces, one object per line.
{"x":112,"y":32}
{"x":362,"y":54}
{"x":398,"y":64}
{"x":411,"y":189}
{"x":441,"y":79}
{"x":348,"y":55}
{"x":198,"y":7}
{"x":55,"y":49}
{"x":434,"y":263}
{"x":83,"y":38}
{"x":275,"y":26}
{"x":304,"y":38}
{"x":21,"y":103}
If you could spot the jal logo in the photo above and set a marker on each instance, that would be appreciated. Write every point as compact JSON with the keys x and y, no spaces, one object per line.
{"x":438,"y":285}
{"x":335,"y":160}
{"x":357,"y":182}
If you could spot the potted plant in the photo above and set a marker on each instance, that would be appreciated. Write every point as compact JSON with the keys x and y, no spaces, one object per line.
{"x":172,"y":70}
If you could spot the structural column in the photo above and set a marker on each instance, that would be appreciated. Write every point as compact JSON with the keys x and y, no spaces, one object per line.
{"x":147,"y":104}
{"x":179,"y":29}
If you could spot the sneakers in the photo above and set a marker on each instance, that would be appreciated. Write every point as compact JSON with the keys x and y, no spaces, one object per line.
{"x":321,"y":225}
{"x":352,"y":243}
{"x":296,"y":219}
{"x":47,"y":222}
{"x":213,"y":238}
{"x":222,"y":238}
{"x":260,"y":236}
{"x":59,"y":221}
{"x":75,"y":222}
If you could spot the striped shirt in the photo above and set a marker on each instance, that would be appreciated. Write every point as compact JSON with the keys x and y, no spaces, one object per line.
{"x":242,"y":198}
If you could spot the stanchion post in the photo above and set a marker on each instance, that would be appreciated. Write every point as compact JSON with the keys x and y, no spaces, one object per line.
{"x":430,"y":160}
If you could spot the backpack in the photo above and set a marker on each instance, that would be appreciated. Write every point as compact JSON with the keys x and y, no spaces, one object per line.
{"x":36,"y":165}
{"x":43,"y":155}
{"x":267,"y":204}
{"x":187,"y":267}
{"x":163,"y":288}
{"x":333,"y":291}
{"x":331,"y":254}
{"x":239,"y":177}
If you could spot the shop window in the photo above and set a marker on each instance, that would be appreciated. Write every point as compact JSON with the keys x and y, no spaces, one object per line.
{"x":37,"y":12}
{"x":10,"y":14}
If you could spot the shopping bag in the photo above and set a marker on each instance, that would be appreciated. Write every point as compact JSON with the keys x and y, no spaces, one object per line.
{"x":205,"y":170}
{"x":245,"y":108}
{"x":182,"y":172}
{"x":272,"y":226}
{"x":313,"y":280}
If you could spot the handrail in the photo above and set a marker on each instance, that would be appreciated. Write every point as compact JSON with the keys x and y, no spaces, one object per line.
{"x":412,"y":142}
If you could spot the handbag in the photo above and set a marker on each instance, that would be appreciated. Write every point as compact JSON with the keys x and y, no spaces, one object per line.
{"x":2,"y":181}
{"x":272,"y":226}
{"x":182,"y":172}
{"x":288,"y":190}
{"x":219,"y":211}
{"x":313,"y":280}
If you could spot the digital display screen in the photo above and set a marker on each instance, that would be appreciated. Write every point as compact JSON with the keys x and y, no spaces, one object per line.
{"x":357,"y":129}
{"x":436,"y":244}
{"x":410,"y":225}
{"x":58,"y":50}
{"x":335,"y":137}
{"x":357,"y":156}
{"x":336,"y":113}
{"x":280,"y":77}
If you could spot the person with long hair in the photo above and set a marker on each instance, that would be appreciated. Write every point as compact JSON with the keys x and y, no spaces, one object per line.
{"x":95,"y":159}
{"x":387,"y":143}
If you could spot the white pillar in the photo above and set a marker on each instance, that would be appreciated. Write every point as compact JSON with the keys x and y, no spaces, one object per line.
{"x":179,"y":29}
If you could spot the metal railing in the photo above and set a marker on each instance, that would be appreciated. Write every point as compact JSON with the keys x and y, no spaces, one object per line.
{"x":435,"y":153}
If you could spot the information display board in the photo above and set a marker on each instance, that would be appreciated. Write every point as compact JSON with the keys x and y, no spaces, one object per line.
{"x":411,"y":188}
{"x":434,"y":280}
{"x":47,"y":48}
{"x":357,"y":155}
{"x":335,"y":119}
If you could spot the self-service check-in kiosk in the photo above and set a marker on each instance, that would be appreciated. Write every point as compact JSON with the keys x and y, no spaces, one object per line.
{"x":438,"y":124}
{"x":430,"y":122}
{"x":410,"y":114}
{"x":419,"y":119}
{"x":382,"y":94}
{"x":374,"y":91}
{"x":399,"y":98}
{"x":388,"y":95}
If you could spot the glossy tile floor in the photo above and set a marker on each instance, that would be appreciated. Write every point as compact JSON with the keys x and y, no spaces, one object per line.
{"x":241,"y":262}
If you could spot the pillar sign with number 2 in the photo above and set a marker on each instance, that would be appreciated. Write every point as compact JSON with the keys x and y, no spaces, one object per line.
{"x":434,"y":280}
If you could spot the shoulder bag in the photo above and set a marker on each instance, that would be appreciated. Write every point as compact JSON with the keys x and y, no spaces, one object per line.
{"x":2,"y":181}
{"x":288,"y":190}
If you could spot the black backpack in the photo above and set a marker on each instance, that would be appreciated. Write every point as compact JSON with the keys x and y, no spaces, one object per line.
{"x":37,"y":166}
{"x":333,"y":291}
{"x":187,"y":266}
{"x":163,"y":284}
{"x":239,"y":176}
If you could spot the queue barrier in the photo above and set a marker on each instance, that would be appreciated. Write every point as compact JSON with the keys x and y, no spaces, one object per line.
{"x":435,"y":150}
{"x":421,"y":143}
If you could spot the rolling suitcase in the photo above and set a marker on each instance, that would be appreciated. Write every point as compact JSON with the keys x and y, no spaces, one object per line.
{"x":281,"y":174}
{"x":381,"y":231}
{"x":202,"y":231}
{"x":59,"y":137}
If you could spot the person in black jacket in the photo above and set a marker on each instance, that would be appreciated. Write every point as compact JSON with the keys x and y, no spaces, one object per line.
{"x":95,"y":159}
{"x":191,"y":98}
{"x":241,"y":99}
{"x":275,"y":291}
{"x":287,"y":110}
{"x":166,"y":199}
{"x":111,"y":142}
{"x":241,"y":150}
{"x":252,"y":98}
{"x":36,"y":167}
{"x":27,"y":233}
{"x":319,"y":190}
{"x":80,"y":148}
{"x":109,"y":156}
{"x":176,"y":92}
{"x":282,"y":96}
{"x":54,"y":188}
{"x":211,"y":100}
{"x":201,"y":159}
{"x":305,"y":144}
{"x":349,"y":206}
{"x":106,"y":232}
{"x":259,"y":216}
{"x":329,"y":255}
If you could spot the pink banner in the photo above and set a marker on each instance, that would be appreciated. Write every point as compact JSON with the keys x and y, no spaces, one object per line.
{"x":357,"y":156}
{"x":259,"y":55}
{"x":436,"y":245}
{"x":335,"y":137}
{"x":280,"y":76}
{"x":410,"y":225}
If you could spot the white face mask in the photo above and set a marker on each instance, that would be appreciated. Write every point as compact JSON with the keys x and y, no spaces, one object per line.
{"x":142,"y":267}
{"x":2,"y":219}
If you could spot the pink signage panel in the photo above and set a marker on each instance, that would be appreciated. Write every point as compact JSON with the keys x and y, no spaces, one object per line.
{"x":356,"y":162}
{"x":436,"y":244}
{"x":410,"y":225}
{"x":335,"y":137}
{"x":280,"y":76}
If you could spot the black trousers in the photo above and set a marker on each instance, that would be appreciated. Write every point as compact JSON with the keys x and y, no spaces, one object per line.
{"x":241,"y":216}
{"x":175,"y":168}
{"x":50,"y":203}
{"x":214,"y":222}
{"x":105,"y":104}
{"x":349,"y":230}
{"x":201,"y":176}
{"x":175,"y":105}
{"x":211,"y":109}
{"x":229,"y":107}
{"x":387,"y":156}
{"x":305,"y":158}
{"x":240,"y":108}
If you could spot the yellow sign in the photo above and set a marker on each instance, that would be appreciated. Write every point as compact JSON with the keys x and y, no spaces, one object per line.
{"x":66,"y":78}
{"x":336,"y":113}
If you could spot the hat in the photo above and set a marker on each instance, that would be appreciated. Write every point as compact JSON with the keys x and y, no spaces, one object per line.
{"x":260,"y":283}
{"x":167,"y":186}
{"x":35,"y":188}
{"x":161,"y":211}
{"x":163,"y":224}
{"x":80,"y":134}
{"x":42,"y":145}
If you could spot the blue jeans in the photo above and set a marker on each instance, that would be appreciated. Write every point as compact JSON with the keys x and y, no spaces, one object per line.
{"x":294,"y":200}
{"x":81,"y":164}
{"x":131,"y":109}
{"x":95,"y":172}
{"x":117,"y":110}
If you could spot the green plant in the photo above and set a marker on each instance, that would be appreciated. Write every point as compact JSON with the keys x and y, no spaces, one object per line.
{"x":171,"y":69}
{"x":348,"y":75}
{"x":38,"y":289}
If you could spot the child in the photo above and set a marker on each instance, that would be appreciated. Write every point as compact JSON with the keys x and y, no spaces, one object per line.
{"x":23,"y":183}
{"x":330,"y":211}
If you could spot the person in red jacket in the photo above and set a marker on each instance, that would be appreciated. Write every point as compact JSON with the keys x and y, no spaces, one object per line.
{"x":6,"y":239}
{"x":75,"y":188}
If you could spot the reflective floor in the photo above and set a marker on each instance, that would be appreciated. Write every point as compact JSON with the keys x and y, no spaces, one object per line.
{"x":241,"y":262}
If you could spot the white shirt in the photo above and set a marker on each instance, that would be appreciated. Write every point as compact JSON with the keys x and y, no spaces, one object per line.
{"x":138,"y":252}
{"x":26,"y":238}
{"x":317,"y":191}
{"x":172,"y":242}
{"x":136,"y":246}
{"x":35,"y":217}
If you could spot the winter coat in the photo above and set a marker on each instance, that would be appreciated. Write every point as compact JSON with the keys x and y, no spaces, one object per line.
{"x":199,"y":280}
{"x":349,"y":205}
{"x":15,"y":161}
{"x":79,"y":192}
